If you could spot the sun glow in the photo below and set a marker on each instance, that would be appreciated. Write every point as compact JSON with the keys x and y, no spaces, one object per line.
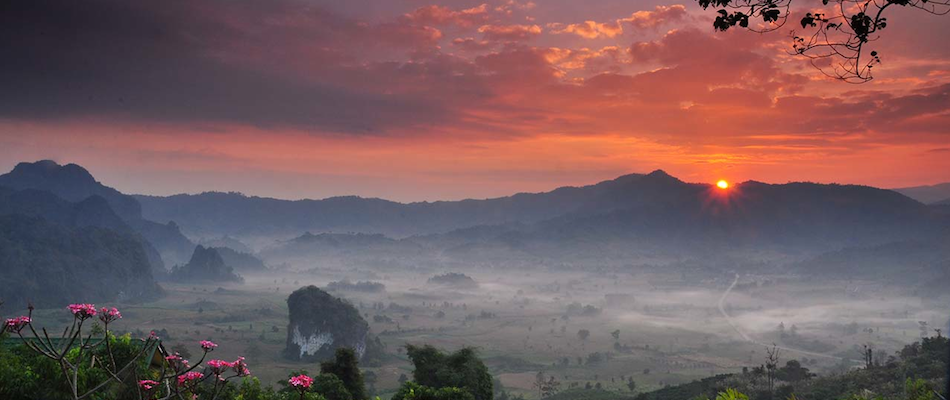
{"x":722,"y":184}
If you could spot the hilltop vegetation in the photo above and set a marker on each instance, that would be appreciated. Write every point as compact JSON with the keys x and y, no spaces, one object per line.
{"x":923,"y":363}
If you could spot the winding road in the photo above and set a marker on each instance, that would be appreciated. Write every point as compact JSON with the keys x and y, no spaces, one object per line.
{"x":722,"y":310}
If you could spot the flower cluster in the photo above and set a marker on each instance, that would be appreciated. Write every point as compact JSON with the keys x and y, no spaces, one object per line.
{"x":208,"y":345}
{"x":218,"y":367}
{"x":108,"y":315}
{"x":190,"y":378}
{"x":17,"y":324}
{"x":301,"y":382}
{"x":240,"y":367}
{"x":82,"y":311}
{"x":177,"y":363}
{"x":147,"y":384}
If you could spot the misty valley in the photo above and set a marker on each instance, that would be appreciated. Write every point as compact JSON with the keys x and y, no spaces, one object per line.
{"x":641,"y":287}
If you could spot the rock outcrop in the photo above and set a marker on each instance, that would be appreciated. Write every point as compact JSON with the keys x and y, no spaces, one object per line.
{"x":206,"y":265}
{"x":320,"y":323}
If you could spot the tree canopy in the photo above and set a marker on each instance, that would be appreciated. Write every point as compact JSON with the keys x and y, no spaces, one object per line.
{"x":835,"y":39}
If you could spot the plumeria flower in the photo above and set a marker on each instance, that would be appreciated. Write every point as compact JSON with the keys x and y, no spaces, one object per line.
{"x":177,"y":362}
{"x":240,"y":367}
{"x":208,"y":345}
{"x":218,"y":367}
{"x":108,"y":315}
{"x":301,"y":382}
{"x":190,"y":378}
{"x":17,"y":324}
{"x":82,"y":311}
{"x":147,"y":384}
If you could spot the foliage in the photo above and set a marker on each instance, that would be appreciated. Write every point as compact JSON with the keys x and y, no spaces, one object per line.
{"x":345,"y":366}
{"x":923,"y":364}
{"x":839,"y":32}
{"x":413,"y":391}
{"x":462,"y":369}
{"x":331,"y":387}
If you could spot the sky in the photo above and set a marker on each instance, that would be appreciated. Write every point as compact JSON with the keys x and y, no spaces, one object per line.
{"x":415,"y":100}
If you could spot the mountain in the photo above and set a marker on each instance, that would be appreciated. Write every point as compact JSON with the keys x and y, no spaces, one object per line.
{"x":693,"y":220}
{"x":206,"y":265}
{"x":54,"y":252}
{"x":240,"y":261}
{"x":229,"y":242}
{"x":304,"y":249}
{"x":74,"y":183}
{"x":217,"y":214}
{"x":927,"y":194}
{"x":91,"y":212}
{"x":635,"y":214}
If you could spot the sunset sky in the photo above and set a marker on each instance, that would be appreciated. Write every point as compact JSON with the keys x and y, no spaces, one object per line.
{"x":414,"y":100}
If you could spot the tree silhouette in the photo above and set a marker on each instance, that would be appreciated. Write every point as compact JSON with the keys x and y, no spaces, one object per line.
{"x":835,"y":40}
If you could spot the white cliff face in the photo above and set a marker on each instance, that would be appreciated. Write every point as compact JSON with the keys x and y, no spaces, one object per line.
{"x":311,"y":344}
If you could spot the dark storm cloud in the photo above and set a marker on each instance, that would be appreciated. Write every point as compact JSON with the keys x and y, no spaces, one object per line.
{"x":258,"y":63}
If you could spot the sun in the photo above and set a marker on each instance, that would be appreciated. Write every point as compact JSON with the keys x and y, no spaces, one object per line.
{"x":722,"y":184}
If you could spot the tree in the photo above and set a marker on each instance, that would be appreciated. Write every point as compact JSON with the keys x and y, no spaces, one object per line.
{"x":461,"y":369}
{"x":331,"y":387}
{"x":583,"y":334}
{"x":793,"y":372}
{"x":835,"y":40}
{"x":771,"y":364}
{"x":345,"y":366}
{"x":546,"y":386}
{"x":415,"y":391}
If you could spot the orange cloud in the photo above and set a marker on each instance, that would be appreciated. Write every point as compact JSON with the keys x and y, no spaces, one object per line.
{"x":661,"y":15}
{"x":441,"y":15}
{"x":509,"y":33}
{"x":589,"y":29}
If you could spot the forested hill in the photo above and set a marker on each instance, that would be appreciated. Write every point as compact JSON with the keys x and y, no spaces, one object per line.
{"x":74,"y":183}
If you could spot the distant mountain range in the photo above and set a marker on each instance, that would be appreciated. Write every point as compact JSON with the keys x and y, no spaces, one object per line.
{"x":928,"y":194}
{"x":637,"y":215}
{"x":655,"y":211}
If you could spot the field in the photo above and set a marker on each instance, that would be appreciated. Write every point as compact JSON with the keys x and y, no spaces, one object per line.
{"x":650,"y":324}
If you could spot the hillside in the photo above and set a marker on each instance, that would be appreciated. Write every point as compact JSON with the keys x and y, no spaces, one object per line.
{"x":925,"y":361}
{"x":74,"y":183}
{"x":928,"y":194}
{"x":53,"y":265}
{"x":91,"y":212}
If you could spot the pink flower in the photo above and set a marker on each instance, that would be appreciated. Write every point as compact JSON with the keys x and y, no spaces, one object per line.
{"x":82,"y":311}
{"x":152,"y":335}
{"x":190,"y":378}
{"x":108,"y":315}
{"x":208,"y":345}
{"x":147,"y":384}
{"x":301,"y":382}
{"x":219,"y":366}
{"x":240,"y":367}
{"x":177,"y":362}
{"x":17,"y":324}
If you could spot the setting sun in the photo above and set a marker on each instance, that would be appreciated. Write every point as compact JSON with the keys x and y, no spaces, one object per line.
{"x":722,"y":184}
